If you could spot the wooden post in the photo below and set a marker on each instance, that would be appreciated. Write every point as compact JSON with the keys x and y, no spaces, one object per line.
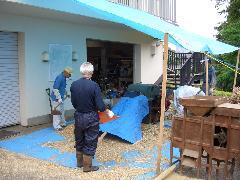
{"x":101,"y":137}
{"x":164,"y":81}
{"x":206,"y":65}
{"x":236,"y":70}
{"x":166,"y":173}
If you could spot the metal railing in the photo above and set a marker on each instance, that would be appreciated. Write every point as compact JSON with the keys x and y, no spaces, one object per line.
{"x":165,"y":9}
{"x":185,"y":68}
{"x":177,"y":60}
{"x":192,"y":69}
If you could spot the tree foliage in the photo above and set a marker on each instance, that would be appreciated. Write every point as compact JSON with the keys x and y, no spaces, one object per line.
{"x":228,"y":32}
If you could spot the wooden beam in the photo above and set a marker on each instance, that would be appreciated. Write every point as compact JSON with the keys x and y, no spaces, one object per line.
{"x":206,"y":65}
{"x":236,"y":70}
{"x":101,"y":137}
{"x":166,"y":173}
{"x":164,"y":82}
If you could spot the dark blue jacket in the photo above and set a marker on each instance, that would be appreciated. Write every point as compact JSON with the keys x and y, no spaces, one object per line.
{"x":86,"y":96}
{"x":60,"y":84}
{"x":211,"y":76}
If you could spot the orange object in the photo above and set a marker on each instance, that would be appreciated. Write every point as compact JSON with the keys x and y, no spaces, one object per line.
{"x":105,"y":118}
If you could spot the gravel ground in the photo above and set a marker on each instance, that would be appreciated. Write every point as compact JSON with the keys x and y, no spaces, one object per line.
{"x":20,"y":167}
{"x":175,"y":176}
{"x":17,"y":166}
{"x":191,"y":173}
{"x":111,"y":148}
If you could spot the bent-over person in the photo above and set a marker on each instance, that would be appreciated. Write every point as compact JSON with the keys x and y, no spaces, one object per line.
{"x":57,"y":97}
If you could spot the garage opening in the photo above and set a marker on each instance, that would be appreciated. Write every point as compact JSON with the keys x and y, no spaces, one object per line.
{"x":113,"y":64}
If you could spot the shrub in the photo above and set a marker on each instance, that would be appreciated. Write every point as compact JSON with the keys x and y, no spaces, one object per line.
{"x":222,"y":93}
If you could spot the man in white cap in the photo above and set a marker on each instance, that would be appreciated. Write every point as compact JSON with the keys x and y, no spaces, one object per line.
{"x":57,"y":96}
{"x":87,"y":100}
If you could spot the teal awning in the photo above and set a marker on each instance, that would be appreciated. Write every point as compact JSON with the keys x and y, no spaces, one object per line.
{"x":155,"y":27}
{"x":135,"y":19}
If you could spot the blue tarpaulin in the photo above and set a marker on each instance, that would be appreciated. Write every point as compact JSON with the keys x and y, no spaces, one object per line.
{"x":131,"y":112}
{"x":135,"y":19}
{"x":33,"y":145}
{"x":155,"y":27}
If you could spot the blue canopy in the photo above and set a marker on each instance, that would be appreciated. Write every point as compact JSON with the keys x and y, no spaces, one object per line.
{"x":154,"y":26}
{"x":135,"y":19}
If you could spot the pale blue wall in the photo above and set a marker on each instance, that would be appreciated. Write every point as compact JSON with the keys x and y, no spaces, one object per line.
{"x":38,"y":33}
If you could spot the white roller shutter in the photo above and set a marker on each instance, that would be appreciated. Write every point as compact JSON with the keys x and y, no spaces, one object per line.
{"x":9,"y":79}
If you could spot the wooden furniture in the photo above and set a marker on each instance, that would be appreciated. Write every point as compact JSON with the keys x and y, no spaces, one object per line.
{"x":208,"y":125}
{"x":201,"y":105}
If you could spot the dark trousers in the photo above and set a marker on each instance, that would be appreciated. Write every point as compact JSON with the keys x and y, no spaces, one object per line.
{"x":86,"y":132}
{"x":209,"y":89}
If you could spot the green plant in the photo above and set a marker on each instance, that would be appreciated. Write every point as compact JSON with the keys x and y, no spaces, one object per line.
{"x":228,"y":32}
{"x":222,"y":93}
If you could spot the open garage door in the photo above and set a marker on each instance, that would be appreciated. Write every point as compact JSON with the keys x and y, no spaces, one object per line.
{"x":113,"y":63}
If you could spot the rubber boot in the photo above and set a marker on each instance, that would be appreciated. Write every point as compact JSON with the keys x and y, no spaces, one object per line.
{"x":79,"y":156}
{"x":87,"y":164}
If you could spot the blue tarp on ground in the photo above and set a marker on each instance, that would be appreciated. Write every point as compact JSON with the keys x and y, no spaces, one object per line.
{"x":135,"y":19}
{"x":131,"y":112}
{"x":32,"y":145}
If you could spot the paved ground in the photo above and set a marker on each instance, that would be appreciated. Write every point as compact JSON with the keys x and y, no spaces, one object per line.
{"x":26,"y":130}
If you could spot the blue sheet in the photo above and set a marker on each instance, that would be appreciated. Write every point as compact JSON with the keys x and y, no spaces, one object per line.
{"x":31,"y":145}
{"x":131,"y":112}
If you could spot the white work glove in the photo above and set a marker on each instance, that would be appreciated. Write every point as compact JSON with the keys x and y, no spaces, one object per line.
{"x":68,"y":96}
{"x":60,"y":101}
{"x":56,"y":93}
{"x":110,"y":113}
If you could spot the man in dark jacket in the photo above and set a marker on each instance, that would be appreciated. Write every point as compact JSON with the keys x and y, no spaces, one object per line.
{"x":211,"y":79}
{"x":86,"y":99}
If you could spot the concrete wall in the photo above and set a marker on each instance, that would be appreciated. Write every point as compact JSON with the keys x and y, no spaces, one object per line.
{"x":37,"y":33}
{"x":151,"y":65}
{"x":148,"y":66}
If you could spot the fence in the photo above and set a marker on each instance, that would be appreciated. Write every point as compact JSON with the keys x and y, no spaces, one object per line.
{"x":165,"y":9}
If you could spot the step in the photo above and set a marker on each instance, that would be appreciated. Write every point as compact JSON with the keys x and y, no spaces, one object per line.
{"x":196,"y":85}
{"x":190,"y":162}
{"x":169,"y":86}
{"x":173,"y":83}
{"x":172,"y":79}
{"x":190,"y":153}
{"x":172,"y":75}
